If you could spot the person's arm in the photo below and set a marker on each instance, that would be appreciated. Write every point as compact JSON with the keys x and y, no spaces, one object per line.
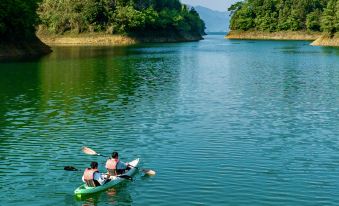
{"x":101,"y":177}
{"x":98,"y":177}
{"x":128,"y":166}
{"x":122,"y":165}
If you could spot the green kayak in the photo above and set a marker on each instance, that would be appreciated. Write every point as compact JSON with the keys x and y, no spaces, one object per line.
{"x":85,"y":190}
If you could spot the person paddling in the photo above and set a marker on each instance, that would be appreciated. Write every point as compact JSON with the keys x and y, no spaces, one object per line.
{"x":93,"y":178}
{"x":116,"y":167}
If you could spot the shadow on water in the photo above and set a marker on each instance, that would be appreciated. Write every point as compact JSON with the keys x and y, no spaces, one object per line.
{"x":330,"y":50}
{"x":81,"y":85}
{"x":19,"y":91}
{"x":86,"y":52}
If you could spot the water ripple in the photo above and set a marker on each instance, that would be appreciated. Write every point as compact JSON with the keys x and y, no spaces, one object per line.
{"x":239,"y":123}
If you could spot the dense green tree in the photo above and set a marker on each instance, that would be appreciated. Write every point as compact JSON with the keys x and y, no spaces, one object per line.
{"x":291,"y":15}
{"x":129,"y":19}
{"x":313,"y":20}
{"x":120,"y":16}
{"x":17,"y":19}
{"x":243,"y":18}
{"x":330,"y":18}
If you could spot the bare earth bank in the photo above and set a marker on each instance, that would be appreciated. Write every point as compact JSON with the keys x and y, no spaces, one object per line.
{"x":327,"y":41}
{"x":102,"y":39}
{"x":281,"y":35}
{"x":318,"y":38}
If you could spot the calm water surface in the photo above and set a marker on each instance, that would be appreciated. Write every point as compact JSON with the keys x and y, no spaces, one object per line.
{"x":222,"y":122}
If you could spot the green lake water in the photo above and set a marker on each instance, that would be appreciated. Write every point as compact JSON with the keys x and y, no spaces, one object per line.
{"x":221,"y":122}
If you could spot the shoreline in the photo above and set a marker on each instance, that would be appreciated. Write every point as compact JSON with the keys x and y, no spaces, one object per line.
{"x":281,"y":35}
{"x":325,"y":40}
{"x":102,"y":39}
{"x":22,"y":49}
{"x":89,"y":39}
{"x":317,"y":38}
{"x":42,"y":43}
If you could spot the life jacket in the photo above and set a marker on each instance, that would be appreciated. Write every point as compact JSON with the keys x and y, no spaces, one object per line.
{"x":111,"y":164}
{"x":89,"y":174}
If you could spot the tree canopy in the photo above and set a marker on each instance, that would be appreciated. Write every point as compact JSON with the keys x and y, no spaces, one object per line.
{"x":17,"y":19}
{"x":119,"y":16}
{"x":286,"y":15}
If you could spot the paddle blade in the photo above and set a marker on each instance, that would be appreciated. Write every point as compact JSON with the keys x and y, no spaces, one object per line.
{"x":70,"y":168}
{"x":149,"y":172}
{"x":126,"y":177}
{"x":89,"y":151}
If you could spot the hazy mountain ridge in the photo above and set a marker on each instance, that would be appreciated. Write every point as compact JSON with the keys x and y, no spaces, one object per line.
{"x":216,"y":21}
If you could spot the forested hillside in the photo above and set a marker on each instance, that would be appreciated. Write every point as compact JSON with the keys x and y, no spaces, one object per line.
{"x":138,"y":17}
{"x":17,"y":19}
{"x":286,"y":15}
{"x":17,"y":29}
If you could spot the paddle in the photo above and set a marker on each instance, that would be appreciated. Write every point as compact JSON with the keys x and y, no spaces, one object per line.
{"x":126,"y":177}
{"x":72,"y":169}
{"x":90,"y":151}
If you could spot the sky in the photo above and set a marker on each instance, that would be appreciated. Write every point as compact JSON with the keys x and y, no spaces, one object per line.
{"x":219,"y":5}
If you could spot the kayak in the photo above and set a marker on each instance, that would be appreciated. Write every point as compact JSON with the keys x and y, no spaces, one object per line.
{"x":115,"y":180}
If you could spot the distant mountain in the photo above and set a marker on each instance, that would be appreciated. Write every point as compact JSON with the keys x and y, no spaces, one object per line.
{"x":216,"y":21}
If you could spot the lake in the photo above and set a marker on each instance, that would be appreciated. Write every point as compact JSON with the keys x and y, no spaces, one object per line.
{"x":221,"y":122}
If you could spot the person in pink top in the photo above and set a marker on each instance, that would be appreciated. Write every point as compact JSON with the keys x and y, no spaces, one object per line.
{"x":93,"y":178}
{"x":116,"y":167}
